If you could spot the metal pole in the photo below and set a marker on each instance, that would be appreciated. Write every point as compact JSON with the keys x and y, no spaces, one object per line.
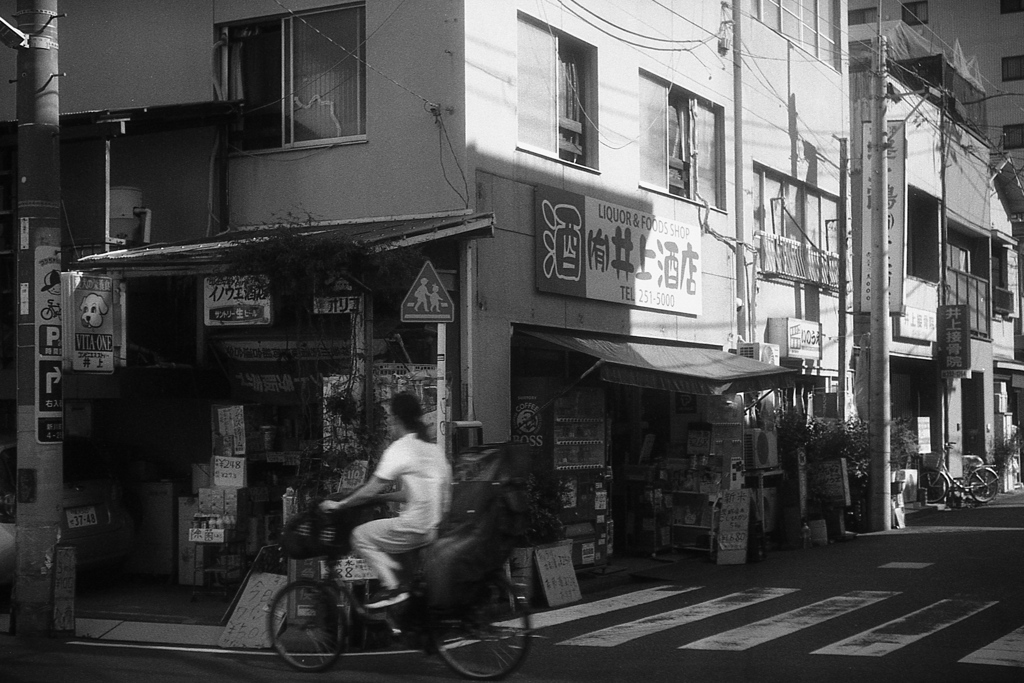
{"x":40,"y":403}
{"x":745,"y":322}
{"x":842,"y":232}
{"x":880,"y":411}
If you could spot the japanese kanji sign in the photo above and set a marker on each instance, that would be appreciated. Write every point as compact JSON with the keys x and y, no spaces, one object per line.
{"x":49,"y":408}
{"x":235,"y":300}
{"x":954,"y":341}
{"x":590,"y":248}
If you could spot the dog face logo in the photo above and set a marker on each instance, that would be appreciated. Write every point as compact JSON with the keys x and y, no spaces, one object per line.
{"x":93,"y":307}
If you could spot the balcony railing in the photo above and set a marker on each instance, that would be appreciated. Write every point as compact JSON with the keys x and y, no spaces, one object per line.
{"x":964,"y":288}
{"x":789,"y":259}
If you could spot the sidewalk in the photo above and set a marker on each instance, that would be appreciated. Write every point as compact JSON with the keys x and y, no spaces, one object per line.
{"x":156,"y":612}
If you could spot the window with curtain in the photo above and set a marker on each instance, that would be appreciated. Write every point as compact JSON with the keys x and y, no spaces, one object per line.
{"x":556,"y":107}
{"x":302,"y":78}
{"x":680,"y":142}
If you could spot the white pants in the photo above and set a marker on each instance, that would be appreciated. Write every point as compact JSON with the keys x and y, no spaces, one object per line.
{"x":377,"y":541}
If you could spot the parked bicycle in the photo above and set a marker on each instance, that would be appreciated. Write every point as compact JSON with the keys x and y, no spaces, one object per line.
{"x":486,"y":638}
{"x":978,"y":485}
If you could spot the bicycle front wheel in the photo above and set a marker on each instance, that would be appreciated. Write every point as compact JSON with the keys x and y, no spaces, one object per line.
{"x":983,"y":484}
{"x":935,"y":484}
{"x":307,"y":625}
{"x":489,"y":639}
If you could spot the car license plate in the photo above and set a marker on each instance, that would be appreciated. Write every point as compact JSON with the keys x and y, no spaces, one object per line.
{"x":80,"y":517}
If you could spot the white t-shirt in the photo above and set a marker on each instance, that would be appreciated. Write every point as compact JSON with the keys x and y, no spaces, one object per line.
{"x":425,"y":475}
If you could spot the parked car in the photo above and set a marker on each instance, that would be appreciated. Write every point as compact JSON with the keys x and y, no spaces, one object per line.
{"x":94,"y":518}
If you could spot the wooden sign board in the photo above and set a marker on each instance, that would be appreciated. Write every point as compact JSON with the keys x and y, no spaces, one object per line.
{"x":557,"y":578}
{"x":247,"y":626}
{"x":733,"y":526}
{"x":827,"y":481}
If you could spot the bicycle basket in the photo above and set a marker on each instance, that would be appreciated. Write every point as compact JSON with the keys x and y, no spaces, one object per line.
{"x":301,"y":537}
{"x":931,"y":461}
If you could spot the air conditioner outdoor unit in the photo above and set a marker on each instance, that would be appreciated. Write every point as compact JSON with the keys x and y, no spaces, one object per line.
{"x":760,"y":450}
{"x":766,"y":353}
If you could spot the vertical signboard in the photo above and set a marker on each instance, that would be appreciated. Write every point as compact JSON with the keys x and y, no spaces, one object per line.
{"x":896,"y":214}
{"x":49,"y":407}
{"x":593,"y":249}
{"x":89,"y":322}
{"x":954,"y":342}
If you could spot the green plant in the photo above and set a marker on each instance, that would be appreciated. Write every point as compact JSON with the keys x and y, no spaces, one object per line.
{"x":1004,"y":451}
{"x":544,"y":523}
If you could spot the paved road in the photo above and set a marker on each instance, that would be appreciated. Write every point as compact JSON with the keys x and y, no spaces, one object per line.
{"x":941,"y":600}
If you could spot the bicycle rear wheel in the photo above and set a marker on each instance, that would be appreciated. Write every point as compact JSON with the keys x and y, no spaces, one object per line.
{"x":489,"y":639}
{"x":936,"y":485}
{"x":307,"y":625}
{"x":983,"y":484}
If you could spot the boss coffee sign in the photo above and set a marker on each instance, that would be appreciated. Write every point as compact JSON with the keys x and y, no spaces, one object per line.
{"x":593,"y":249}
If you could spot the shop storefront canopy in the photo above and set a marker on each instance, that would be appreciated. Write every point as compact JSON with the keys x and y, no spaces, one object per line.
{"x":684,"y":369}
{"x":209,"y":254}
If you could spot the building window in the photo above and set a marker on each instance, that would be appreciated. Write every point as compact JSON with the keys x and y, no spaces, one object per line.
{"x":302,"y":78}
{"x":915,"y":13}
{"x":1013,"y":136}
{"x":680,"y":142}
{"x":1011,"y":6}
{"x":869,"y":15}
{"x":1013,"y":68}
{"x":557,"y":101}
{"x":788,"y":208}
{"x":812,"y":24}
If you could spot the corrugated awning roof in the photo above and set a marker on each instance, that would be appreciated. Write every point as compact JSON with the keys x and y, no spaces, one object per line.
{"x":686,"y":369}
{"x":210,"y":254}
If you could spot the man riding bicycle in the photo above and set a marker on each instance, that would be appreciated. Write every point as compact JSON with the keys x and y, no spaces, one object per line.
{"x":424,"y":477}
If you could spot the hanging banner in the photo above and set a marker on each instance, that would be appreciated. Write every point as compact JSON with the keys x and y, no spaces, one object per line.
{"x":89,"y":324}
{"x":281,"y":371}
{"x":896,"y":214}
{"x":590,"y":248}
{"x":954,"y":342}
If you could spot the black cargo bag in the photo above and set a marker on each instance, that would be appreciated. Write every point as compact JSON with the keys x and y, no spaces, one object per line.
{"x":312,"y":532}
{"x":488,"y":515}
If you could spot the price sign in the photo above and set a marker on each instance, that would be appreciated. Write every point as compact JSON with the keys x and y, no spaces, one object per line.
{"x":733,"y":523}
{"x":228,"y":471}
{"x":554,"y":566}
{"x":350,"y":568}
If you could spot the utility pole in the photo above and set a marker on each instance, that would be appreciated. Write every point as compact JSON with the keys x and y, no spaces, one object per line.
{"x":880,"y":412}
{"x":40,"y":402}
{"x":843,"y":234}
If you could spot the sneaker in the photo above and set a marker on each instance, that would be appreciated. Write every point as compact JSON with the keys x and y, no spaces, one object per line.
{"x":386,"y":597}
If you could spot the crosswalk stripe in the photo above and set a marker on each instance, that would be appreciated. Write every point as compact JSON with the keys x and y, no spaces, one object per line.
{"x":1007,"y":651}
{"x":641,"y":597}
{"x":901,"y":632}
{"x":759,"y":632}
{"x":616,"y":635}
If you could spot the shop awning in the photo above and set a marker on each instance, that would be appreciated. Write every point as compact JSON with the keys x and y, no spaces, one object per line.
{"x":209,"y":254}
{"x":686,"y":369}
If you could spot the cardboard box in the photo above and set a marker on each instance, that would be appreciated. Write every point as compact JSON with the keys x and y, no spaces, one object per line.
{"x":237,"y":502}
{"x":201,"y":476}
{"x":211,"y":501}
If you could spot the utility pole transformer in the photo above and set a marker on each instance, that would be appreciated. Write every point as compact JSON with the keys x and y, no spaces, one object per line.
{"x":39,"y":350}
{"x":880,"y":412}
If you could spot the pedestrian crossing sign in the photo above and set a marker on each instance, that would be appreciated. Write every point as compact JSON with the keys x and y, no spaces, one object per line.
{"x":427,"y":300}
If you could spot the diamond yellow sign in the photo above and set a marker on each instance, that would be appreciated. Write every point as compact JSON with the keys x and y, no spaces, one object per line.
{"x":427,"y":300}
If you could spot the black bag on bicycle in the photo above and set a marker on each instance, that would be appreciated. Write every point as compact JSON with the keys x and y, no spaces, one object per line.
{"x":488,"y":514}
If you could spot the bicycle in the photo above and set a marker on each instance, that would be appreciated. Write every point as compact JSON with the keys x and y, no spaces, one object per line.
{"x":487,"y":638}
{"x":979,"y":485}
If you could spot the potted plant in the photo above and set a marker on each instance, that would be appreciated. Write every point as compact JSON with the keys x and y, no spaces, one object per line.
{"x":544,"y":526}
{"x":1006,"y":460}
